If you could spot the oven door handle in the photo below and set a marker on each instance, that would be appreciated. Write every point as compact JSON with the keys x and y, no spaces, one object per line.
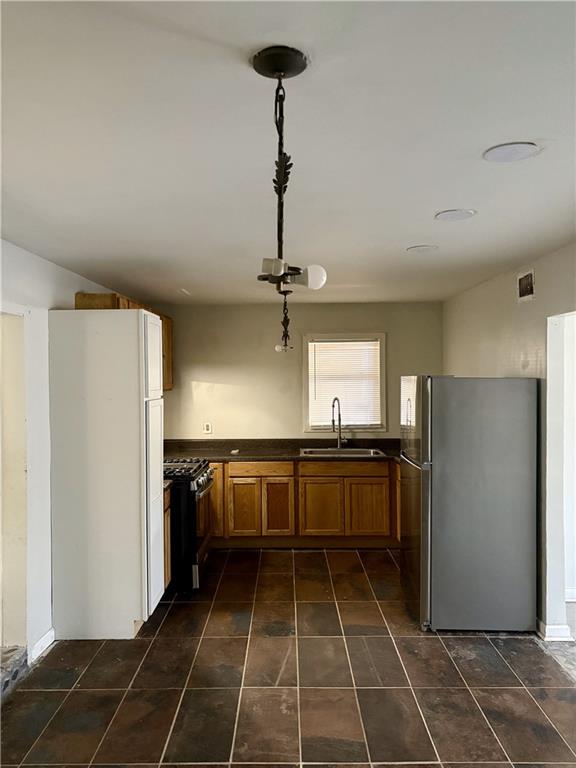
{"x":205,"y":490}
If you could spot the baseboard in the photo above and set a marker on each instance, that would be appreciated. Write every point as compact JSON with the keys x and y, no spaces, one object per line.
{"x":556,"y":632}
{"x":39,"y":647}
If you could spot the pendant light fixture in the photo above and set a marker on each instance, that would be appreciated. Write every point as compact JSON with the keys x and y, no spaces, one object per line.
{"x":280,"y":62}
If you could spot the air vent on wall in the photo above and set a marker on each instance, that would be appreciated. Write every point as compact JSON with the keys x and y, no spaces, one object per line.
{"x":525,"y":283}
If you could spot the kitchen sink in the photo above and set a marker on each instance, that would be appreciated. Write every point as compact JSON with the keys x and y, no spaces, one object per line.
{"x":352,"y":452}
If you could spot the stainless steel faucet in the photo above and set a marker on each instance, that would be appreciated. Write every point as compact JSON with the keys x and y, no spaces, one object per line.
{"x":337,"y":400}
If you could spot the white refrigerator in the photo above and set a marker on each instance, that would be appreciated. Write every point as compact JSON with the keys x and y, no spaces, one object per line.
{"x":106,"y":414}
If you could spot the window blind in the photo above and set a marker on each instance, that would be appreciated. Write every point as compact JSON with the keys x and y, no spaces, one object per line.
{"x":349,"y":370}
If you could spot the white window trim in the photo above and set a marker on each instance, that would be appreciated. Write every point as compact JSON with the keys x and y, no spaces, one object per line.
{"x":375,"y":336}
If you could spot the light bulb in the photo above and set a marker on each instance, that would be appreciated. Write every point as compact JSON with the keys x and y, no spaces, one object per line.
{"x":314,"y":277}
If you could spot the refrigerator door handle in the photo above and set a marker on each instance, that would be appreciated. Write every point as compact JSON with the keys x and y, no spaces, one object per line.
{"x":424,"y":465}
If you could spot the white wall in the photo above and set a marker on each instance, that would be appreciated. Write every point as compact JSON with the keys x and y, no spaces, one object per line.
{"x":569,"y":449}
{"x":487,"y":332}
{"x":30,"y":286}
{"x":227,"y":372}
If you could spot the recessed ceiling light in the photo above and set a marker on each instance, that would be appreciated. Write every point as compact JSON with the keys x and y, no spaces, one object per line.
{"x":422,"y":248}
{"x":511,"y":152}
{"x":455,"y":214}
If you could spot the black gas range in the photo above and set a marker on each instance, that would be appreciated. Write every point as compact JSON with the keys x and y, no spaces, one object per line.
{"x":190,"y":519}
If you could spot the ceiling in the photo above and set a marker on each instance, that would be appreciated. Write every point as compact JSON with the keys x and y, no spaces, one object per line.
{"x":139,"y":145}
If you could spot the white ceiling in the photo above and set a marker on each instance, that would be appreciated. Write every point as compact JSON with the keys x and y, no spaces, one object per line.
{"x":139,"y":144}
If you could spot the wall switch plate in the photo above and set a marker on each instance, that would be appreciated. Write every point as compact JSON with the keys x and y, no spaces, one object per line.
{"x":207,"y":427}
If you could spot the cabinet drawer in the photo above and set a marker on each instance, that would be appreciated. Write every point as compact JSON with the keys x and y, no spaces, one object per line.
{"x":260,"y":469}
{"x":344,"y":468}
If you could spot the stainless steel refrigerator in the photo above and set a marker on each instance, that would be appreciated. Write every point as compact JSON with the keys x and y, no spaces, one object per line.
{"x":469,"y":501}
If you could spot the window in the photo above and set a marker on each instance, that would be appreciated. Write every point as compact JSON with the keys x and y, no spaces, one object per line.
{"x":350,"y":368}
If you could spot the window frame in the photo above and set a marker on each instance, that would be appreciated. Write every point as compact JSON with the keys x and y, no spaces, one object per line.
{"x":374,"y":336}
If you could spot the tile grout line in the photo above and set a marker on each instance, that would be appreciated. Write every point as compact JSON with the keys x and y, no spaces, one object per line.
{"x":401,"y":660}
{"x":240,"y":690}
{"x":475,"y":700}
{"x":368,"y":754}
{"x":525,"y":687}
{"x":64,"y":700}
{"x":184,"y":688}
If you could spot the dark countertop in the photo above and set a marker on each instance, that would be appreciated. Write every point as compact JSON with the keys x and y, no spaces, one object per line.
{"x":275,"y":450}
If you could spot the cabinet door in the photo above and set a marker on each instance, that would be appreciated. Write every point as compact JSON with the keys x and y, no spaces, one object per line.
{"x":321,"y":506}
{"x":216,"y":500}
{"x":367,"y":506}
{"x":153,"y":355}
{"x":244,"y":508}
{"x":277,"y":506}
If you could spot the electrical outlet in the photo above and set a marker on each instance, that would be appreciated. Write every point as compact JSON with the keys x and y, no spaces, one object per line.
{"x":207,"y":427}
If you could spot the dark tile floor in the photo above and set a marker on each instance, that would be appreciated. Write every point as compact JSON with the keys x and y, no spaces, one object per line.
{"x":294,"y":658}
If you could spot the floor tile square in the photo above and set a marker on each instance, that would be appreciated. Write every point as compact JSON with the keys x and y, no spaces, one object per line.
{"x":394,"y":727}
{"x":401,"y":619}
{"x":271,"y":662}
{"x":273,"y":620}
{"x":185,"y":620}
{"x":313,"y":587}
{"x":457,"y":726}
{"x":140,"y":728}
{"x":560,"y":706}
{"x":236,"y":588}
{"x":242,"y":561}
{"x":229,"y":620}
{"x":219,"y":663}
{"x":114,"y":665}
{"x":377,"y":561}
{"x":267,"y":729}
{"x":375,"y":662}
{"x":317,"y":619}
{"x":351,"y":586}
{"x":24,"y":716}
{"x":427,"y":663}
{"x":272,"y":561}
{"x":480,"y":663}
{"x":331,"y":727}
{"x":362,"y":619}
{"x":62,"y":666}
{"x":311,"y":562}
{"x":204,"y":727}
{"x":275,"y":587}
{"x":521,"y":726}
{"x":387,"y":585}
{"x":533,"y":665}
{"x":323,"y":662}
{"x":167,"y":663}
{"x":344,"y":561}
{"x":149,"y":629}
{"x":74,"y":733}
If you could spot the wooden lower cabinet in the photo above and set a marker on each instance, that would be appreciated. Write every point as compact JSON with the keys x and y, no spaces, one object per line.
{"x":321,"y":511}
{"x":216,"y":500}
{"x":244,"y":506}
{"x":367,"y":506}
{"x":278,"y":506}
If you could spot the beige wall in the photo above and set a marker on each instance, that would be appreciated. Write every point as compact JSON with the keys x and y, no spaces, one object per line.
{"x":227,"y":372}
{"x":13,"y":480}
{"x":488,"y":333}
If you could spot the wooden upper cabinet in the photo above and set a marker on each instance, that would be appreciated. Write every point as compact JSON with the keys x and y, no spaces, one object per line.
{"x":321,"y":509}
{"x":278,"y":506}
{"x":367,"y":506}
{"x":117,"y":301}
{"x":216,"y":500}
{"x":244,"y":506}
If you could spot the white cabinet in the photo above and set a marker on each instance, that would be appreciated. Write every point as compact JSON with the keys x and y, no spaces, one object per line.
{"x":153,"y":355}
{"x":106,"y":471}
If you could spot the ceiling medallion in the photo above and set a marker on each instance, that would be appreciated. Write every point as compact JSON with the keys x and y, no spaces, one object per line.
{"x":280,"y":62}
